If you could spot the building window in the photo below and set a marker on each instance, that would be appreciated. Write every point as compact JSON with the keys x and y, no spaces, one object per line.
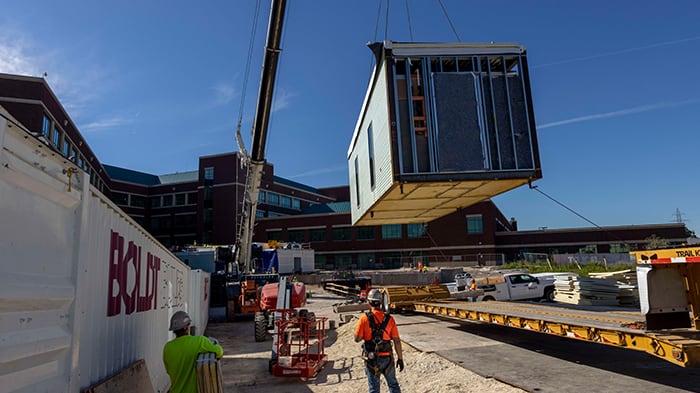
{"x":66,"y":147}
{"x":120,"y":198}
{"x":364,"y":233}
{"x":192,"y":198}
{"x":296,"y":204}
{"x":259,"y":213}
{"x":273,"y":199}
{"x":296,"y":235}
{"x":365,"y":261}
{"x":167,"y":200}
{"x":415,"y":230}
{"x":340,"y":234}
{"x":56,"y":139}
{"x":209,"y":173}
{"x":317,"y":235}
{"x":137,"y":201}
{"x":261,"y":197}
{"x":357,"y":180}
{"x":46,"y":127}
{"x":618,"y":248}
{"x":180,"y":199}
{"x":285,"y":201}
{"x":391,"y":231}
{"x":370,"y":148}
{"x":274,"y":235}
{"x":475,"y":224}
{"x":73,"y":154}
{"x":155,"y":202}
{"x":80,"y":162}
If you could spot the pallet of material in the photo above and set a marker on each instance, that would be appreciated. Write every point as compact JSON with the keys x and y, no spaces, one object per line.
{"x":209,"y":374}
{"x":586,"y":291}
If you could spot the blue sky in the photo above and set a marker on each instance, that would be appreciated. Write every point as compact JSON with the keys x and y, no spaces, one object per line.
{"x":155,"y":84}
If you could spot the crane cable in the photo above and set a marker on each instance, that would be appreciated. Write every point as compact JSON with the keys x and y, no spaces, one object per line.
{"x":251,"y":44}
{"x":536,"y":188}
{"x":408,"y":16}
{"x":447,"y":16}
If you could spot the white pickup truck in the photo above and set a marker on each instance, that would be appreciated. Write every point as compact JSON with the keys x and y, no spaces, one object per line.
{"x":520,"y":286}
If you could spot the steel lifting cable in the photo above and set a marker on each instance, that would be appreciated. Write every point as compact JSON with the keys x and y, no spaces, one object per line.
{"x":246,"y":76}
{"x":536,"y":188}
{"x":447,"y":16}
{"x":386,"y":21}
{"x":408,"y":16}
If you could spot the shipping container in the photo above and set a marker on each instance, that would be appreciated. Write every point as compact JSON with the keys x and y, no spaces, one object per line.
{"x":442,"y":126}
{"x":84,"y":290}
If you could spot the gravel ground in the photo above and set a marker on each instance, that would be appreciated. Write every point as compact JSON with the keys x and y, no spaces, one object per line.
{"x":245,"y":362}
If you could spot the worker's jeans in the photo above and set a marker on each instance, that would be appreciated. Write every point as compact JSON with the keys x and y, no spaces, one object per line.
{"x":385,"y":363}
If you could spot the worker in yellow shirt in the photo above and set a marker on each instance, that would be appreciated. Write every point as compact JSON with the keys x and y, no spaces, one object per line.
{"x":180,"y":354}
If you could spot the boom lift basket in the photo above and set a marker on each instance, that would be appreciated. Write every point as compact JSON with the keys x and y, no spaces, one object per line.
{"x":300,"y":345}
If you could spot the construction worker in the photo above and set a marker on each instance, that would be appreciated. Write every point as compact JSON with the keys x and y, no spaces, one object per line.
{"x":473,"y":287}
{"x":378,"y":330}
{"x":180,"y":354}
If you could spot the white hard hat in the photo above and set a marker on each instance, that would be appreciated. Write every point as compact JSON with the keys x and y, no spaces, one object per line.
{"x":179,"y":320}
{"x":374,"y":295}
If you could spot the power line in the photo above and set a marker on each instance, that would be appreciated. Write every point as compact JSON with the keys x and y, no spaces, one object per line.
{"x":251,"y":44}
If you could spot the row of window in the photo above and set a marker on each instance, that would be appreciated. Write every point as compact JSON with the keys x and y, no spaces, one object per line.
{"x":178,"y":221}
{"x":179,"y":199}
{"x":168,"y":200}
{"x":275,"y":199}
{"x":390,"y":231}
{"x":62,"y":143}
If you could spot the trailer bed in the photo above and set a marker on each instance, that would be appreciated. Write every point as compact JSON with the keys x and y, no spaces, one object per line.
{"x":607,"y":325}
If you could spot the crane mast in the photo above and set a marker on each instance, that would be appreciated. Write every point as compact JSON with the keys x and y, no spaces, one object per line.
{"x":256,"y":160}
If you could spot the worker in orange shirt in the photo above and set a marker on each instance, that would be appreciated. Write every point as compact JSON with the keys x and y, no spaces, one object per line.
{"x":473,"y":287}
{"x":378,"y":330}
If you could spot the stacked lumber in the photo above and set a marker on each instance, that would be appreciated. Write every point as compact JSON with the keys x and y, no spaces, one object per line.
{"x":586,"y":291}
{"x":209,"y":379}
{"x":626,"y":283}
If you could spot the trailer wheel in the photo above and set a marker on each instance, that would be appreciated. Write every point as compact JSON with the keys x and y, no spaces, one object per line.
{"x":260,"y":327}
{"x":549,"y":295}
{"x":488,"y":298}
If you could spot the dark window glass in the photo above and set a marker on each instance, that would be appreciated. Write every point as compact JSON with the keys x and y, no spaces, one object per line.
{"x":317,"y":235}
{"x":167,"y":200}
{"x":391,"y":231}
{"x":120,"y":198}
{"x":138,"y":201}
{"x":415,"y":230}
{"x":475,"y":224}
{"x":296,"y":235}
{"x":364,"y":233}
{"x":180,"y":199}
{"x":341,"y":233}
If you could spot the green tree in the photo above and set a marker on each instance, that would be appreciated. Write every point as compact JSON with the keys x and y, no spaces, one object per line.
{"x":654,"y":242}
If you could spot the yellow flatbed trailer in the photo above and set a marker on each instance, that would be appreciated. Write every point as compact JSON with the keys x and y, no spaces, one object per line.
{"x":623,"y":329}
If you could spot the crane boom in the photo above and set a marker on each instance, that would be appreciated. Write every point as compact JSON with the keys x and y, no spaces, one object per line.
{"x":256,"y":161}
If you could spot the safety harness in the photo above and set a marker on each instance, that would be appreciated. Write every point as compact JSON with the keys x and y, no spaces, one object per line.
{"x":376,"y":344}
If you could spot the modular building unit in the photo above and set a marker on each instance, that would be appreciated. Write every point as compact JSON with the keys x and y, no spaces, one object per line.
{"x":442,"y":126}
{"x":288,"y":260}
{"x":84,"y":290}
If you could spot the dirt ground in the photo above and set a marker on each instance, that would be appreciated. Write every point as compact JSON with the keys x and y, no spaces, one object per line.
{"x":245,"y":362}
